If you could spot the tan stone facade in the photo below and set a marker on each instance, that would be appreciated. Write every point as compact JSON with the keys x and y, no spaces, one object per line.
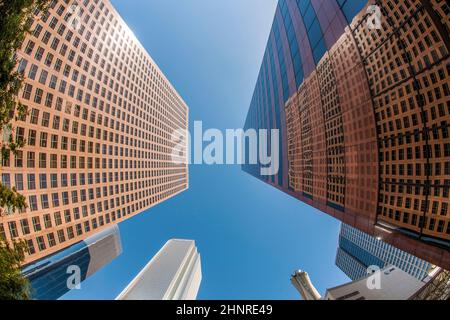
{"x":98,"y":132}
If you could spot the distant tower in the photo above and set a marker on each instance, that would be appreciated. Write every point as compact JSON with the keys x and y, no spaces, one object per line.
{"x":302,"y":282}
{"x":174,"y":273}
{"x":358,"y":251}
{"x":50,"y":277}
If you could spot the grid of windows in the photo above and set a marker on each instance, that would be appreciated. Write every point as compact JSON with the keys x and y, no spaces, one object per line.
{"x":99,"y":128}
{"x":358,"y":251}
{"x":408,"y":68}
{"x":365,"y":137}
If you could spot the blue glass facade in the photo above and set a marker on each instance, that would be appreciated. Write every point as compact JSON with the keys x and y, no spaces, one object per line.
{"x":51,"y":277}
{"x":357,"y":251}
{"x":48,"y":277}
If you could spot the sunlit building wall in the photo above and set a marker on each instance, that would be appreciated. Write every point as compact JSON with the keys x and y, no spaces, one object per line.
{"x":363,"y":112}
{"x":174,"y":273}
{"x":101,"y":115}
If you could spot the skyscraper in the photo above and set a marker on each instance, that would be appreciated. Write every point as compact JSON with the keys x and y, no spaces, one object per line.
{"x":392,"y":284}
{"x":53,"y":276}
{"x":360,"y":93}
{"x":98,"y":131}
{"x":174,"y":273}
{"x":358,"y":251}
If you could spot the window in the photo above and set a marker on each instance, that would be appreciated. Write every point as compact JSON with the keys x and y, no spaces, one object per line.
{"x":41,"y":243}
{"x":32,"y":203}
{"x":25,"y":226}
{"x":29,"y":48}
{"x":44,"y":201}
{"x":47,"y":221}
{"x":34,"y":116}
{"x":61,"y":236}
{"x":43,"y":181}
{"x":57,"y":217}
{"x":36,"y":224}
{"x":39,"y":53}
{"x":51,"y":240}
{"x":27,"y":91}
{"x":55,"y":200}
{"x":22,"y":66}
{"x":43,"y":77}
{"x":13,"y":229}
{"x":30,"y":245}
{"x":19,"y":181}
{"x":31,"y":181}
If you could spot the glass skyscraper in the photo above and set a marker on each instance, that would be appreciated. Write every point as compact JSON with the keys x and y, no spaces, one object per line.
{"x":358,"y":251}
{"x":50,"y":278}
{"x":359,"y":90}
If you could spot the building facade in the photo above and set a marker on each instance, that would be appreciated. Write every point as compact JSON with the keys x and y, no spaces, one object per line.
{"x":358,"y":251}
{"x":437,"y":286}
{"x":98,"y":130}
{"x":52,"y":277}
{"x":391,"y":284}
{"x":174,"y":273}
{"x":360,"y":93}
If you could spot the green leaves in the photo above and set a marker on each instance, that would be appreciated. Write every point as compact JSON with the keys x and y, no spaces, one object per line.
{"x":13,"y":285}
{"x":16,"y":16}
{"x":10,"y":201}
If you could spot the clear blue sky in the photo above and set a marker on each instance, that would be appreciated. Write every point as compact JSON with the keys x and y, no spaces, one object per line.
{"x":250,"y":235}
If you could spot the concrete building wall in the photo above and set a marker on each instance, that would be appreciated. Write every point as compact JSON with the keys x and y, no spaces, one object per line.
{"x":394,"y":285}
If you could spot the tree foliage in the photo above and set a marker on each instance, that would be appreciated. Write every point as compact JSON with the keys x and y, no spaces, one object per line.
{"x":13,"y":285}
{"x":16,"y":17}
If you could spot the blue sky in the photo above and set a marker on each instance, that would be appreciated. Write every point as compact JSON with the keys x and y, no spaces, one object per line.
{"x":251,"y":236}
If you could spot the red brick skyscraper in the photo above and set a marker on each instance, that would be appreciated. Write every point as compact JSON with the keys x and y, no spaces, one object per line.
{"x":98,"y":132}
{"x":364,"y":114}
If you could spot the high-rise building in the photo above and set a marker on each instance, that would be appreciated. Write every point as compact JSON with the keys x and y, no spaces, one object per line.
{"x":174,"y":273}
{"x":98,"y":130}
{"x":358,"y":251}
{"x":392,"y":284}
{"x":360,"y":93}
{"x":53,"y":276}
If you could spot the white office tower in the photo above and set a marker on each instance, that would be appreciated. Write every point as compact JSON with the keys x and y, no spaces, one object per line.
{"x":174,"y":273}
{"x":302,"y":282}
{"x":391,"y":283}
